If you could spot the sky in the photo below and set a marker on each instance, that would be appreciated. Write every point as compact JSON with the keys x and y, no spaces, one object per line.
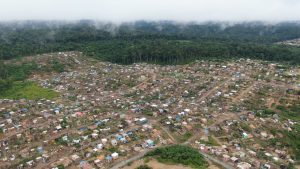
{"x":131,"y":10}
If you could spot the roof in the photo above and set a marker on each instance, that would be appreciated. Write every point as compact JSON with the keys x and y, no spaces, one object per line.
{"x":115,"y":154}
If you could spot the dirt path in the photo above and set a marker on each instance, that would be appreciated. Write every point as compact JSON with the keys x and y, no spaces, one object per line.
{"x":153,"y":121}
{"x":244,"y":92}
{"x":140,"y":155}
{"x":213,"y":90}
{"x":52,"y":161}
{"x":155,"y":165}
{"x":169,"y":134}
{"x":217,"y":161}
{"x":134,"y":158}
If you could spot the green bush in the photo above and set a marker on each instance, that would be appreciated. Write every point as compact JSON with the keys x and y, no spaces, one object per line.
{"x":179,"y":154}
{"x":58,"y":67}
{"x":144,"y":167}
{"x":246,"y":127}
{"x":60,"y":167}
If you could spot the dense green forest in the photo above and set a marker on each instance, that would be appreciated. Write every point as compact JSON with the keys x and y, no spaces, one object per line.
{"x":162,"y":42}
{"x":182,"y":51}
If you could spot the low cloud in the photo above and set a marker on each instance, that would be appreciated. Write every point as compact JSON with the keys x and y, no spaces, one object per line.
{"x":131,"y":10}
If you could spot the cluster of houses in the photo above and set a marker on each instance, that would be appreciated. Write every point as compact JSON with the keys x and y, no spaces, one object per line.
{"x":107,"y":113}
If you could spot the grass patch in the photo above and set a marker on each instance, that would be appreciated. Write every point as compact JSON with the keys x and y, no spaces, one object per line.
{"x":290,"y":139}
{"x":27,"y":90}
{"x":179,"y":154}
{"x":246,"y":127}
{"x":185,"y":137}
{"x":211,"y":141}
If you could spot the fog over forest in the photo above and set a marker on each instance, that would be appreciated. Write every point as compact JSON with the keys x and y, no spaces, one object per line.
{"x":132,"y":10}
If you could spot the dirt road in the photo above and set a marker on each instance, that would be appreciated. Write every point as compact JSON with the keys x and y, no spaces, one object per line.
{"x":134,"y":158}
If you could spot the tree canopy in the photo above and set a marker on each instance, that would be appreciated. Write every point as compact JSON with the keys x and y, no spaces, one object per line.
{"x":162,"y":42}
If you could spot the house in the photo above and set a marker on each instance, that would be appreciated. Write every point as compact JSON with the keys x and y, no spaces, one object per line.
{"x":100,"y":146}
{"x":19,"y":136}
{"x":252,"y":153}
{"x":57,"y":111}
{"x":266,"y":166}
{"x":234,"y":159}
{"x":142,"y":121}
{"x":24,"y":110}
{"x":94,"y":135}
{"x":99,"y":123}
{"x":150,"y":143}
{"x":38,"y":159}
{"x":98,"y":163}
{"x":119,"y":137}
{"x":40,"y":150}
{"x":30,"y":163}
{"x":65,"y":138}
{"x":58,"y":127}
{"x":79,"y":114}
{"x":84,"y":137}
{"x":264,"y":134}
{"x":104,"y":141}
{"x":76,"y":141}
{"x":123,"y":140}
{"x":115,"y":155}
{"x":130,"y":133}
{"x":114,"y":142}
{"x":75,"y":157}
{"x":178,"y":118}
{"x":85,"y":165}
{"x":108,"y":158}
{"x":226,"y":157}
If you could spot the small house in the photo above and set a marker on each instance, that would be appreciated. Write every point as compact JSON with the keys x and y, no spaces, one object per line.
{"x":108,"y":158}
{"x":142,"y":121}
{"x":150,"y":143}
{"x":115,"y":155}
{"x":114,"y":142}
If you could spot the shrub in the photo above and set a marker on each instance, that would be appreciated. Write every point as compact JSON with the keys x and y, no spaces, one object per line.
{"x":144,"y":167}
{"x":179,"y":154}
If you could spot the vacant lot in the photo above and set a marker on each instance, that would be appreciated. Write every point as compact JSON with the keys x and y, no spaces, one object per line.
{"x":28,"y":90}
